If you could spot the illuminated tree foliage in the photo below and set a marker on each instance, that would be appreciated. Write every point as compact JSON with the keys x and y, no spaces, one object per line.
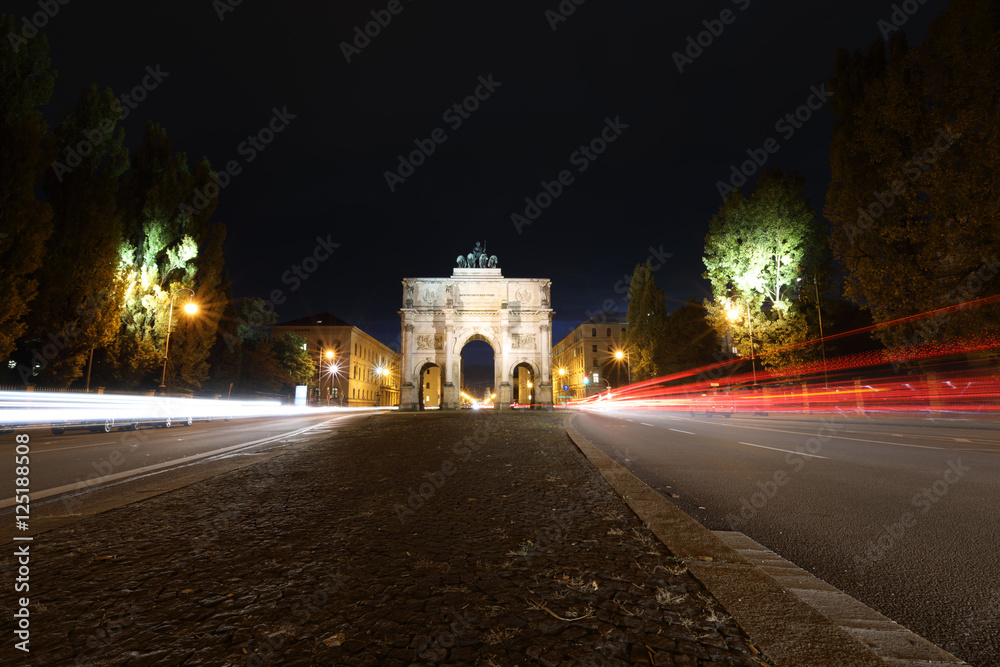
{"x":915,"y":191}
{"x":647,"y":319}
{"x":79,"y":296}
{"x":165,"y":250}
{"x":756,"y":249}
{"x":26,"y":84}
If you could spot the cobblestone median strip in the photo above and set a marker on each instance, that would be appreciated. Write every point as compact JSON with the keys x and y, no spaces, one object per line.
{"x":523,"y":556}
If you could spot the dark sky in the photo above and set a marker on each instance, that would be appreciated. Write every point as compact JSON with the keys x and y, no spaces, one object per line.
{"x":323,"y":174}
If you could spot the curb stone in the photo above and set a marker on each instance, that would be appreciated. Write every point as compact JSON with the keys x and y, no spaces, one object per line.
{"x":791,"y":615}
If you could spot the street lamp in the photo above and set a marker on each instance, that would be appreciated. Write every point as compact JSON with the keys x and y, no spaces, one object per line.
{"x":381,"y":371}
{"x":733,"y":316}
{"x":190,"y":308}
{"x":329,"y":355}
{"x":628,"y":361}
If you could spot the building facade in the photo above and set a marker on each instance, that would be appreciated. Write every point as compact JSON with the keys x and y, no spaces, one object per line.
{"x":353,"y":368}
{"x":584,"y":362}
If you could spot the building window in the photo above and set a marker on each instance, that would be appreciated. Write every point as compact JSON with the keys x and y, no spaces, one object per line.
{"x":609,"y":348}
{"x":595,"y":348}
{"x":609,"y":332}
{"x":595,"y":362}
{"x":593,"y":332}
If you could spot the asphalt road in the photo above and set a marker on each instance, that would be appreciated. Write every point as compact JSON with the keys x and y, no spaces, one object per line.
{"x":80,"y":474}
{"x":900,"y":513}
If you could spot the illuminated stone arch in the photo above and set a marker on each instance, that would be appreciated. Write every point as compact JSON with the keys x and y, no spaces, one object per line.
{"x":441,"y":315}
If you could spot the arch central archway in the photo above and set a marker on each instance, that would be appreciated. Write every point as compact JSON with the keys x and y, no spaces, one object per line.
{"x":440,"y":316}
{"x":479,"y":372}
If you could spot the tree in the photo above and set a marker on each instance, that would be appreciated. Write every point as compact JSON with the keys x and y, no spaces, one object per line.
{"x":756,"y":249}
{"x":79,"y":298}
{"x":269,"y":365}
{"x":26,"y":83}
{"x":226,"y":355}
{"x":914,"y":196}
{"x":293,"y":359}
{"x":647,"y":318}
{"x":166,"y":249}
{"x":198,"y":335}
{"x":689,"y":340}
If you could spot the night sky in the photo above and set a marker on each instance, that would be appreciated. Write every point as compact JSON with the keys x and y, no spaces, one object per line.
{"x":608,"y":67}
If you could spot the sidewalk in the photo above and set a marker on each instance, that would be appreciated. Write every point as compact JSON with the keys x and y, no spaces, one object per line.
{"x":476,"y":538}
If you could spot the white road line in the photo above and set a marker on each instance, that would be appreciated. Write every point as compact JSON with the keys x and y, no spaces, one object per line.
{"x":62,"y":449}
{"x":680,"y":431}
{"x":813,"y":434}
{"x":786,"y":451}
{"x":645,"y":424}
{"x":158,"y":467}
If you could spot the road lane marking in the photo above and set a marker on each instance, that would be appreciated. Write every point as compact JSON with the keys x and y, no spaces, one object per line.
{"x":62,"y":449}
{"x":645,"y":424}
{"x":154,"y":468}
{"x":786,"y":451}
{"x":840,"y":437}
{"x":680,"y":431}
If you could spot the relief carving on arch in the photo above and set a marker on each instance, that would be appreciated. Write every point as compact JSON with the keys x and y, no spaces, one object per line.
{"x":430,"y":341}
{"x":521,"y":341}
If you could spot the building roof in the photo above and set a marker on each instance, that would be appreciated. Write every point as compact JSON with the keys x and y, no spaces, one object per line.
{"x":319,"y":319}
{"x":608,"y":318}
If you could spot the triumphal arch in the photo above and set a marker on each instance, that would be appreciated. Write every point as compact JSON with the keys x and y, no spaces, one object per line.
{"x":441,"y":315}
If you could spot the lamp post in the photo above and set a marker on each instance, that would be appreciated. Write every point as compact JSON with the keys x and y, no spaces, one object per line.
{"x":333,"y":370}
{"x":822,"y":343}
{"x":605,"y":381}
{"x":733,"y":316}
{"x":329,"y":355}
{"x":381,"y":371}
{"x":190,"y":308}
{"x":628,"y":361}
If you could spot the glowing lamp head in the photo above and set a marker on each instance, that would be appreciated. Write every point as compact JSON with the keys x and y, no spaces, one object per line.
{"x":191,"y":308}
{"x":732,"y":314}
{"x":329,"y":354}
{"x":619,"y":354}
